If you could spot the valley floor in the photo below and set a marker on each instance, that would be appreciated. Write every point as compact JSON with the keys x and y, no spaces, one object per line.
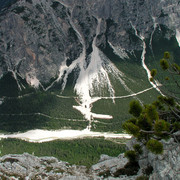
{"x":45,"y":135}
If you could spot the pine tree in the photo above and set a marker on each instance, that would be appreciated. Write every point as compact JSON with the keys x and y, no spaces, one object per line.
{"x":159,"y":120}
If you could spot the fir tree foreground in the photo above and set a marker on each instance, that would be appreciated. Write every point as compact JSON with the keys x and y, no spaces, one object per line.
{"x":160,"y":120}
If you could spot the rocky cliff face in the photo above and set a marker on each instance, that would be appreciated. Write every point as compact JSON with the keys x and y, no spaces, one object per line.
{"x":39,"y":37}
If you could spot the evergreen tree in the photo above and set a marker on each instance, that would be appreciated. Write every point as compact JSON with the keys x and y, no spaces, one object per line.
{"x":159,"y":120}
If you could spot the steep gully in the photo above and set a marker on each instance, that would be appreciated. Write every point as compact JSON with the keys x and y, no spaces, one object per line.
{"x":93,"y":74}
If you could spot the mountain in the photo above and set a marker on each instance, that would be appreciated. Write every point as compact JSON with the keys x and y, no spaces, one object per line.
{"x":68,"y":70}
{"x":38,"y":36}
{"x":97,"y":53}
{"x":4,"y":4}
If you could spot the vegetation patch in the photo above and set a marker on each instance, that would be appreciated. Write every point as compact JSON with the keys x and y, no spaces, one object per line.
{"x":19,"y":9}
{"x":129,"y":169}
{"x":55,"y":5}
{"x":39,"y":110}
{"x":81,"y":151}
{"x":105,"y":174}
{"x":142,"y":178}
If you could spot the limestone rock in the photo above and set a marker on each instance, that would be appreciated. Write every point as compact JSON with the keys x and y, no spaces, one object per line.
{"x":111,"y":164}
{"x":37,"y":36}
{"x":26,"y":166}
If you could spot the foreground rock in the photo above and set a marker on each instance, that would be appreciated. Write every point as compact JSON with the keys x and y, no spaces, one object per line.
{"x":162,"y":167}
{"x":27,"y":166}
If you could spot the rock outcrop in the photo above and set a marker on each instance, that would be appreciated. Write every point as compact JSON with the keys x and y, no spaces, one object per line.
{"x":162,"y":167}
{"x":27,"y":166}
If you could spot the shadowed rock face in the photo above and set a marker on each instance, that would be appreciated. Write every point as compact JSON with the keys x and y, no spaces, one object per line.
{"x":38,"y":35}
{"x":6,"y":3}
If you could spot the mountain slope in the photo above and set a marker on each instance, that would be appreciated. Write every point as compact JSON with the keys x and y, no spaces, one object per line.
{"x":97,"y":53}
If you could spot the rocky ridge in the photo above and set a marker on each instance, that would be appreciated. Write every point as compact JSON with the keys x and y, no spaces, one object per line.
{"x":26,"y":166}
{"x":38,"y":35}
